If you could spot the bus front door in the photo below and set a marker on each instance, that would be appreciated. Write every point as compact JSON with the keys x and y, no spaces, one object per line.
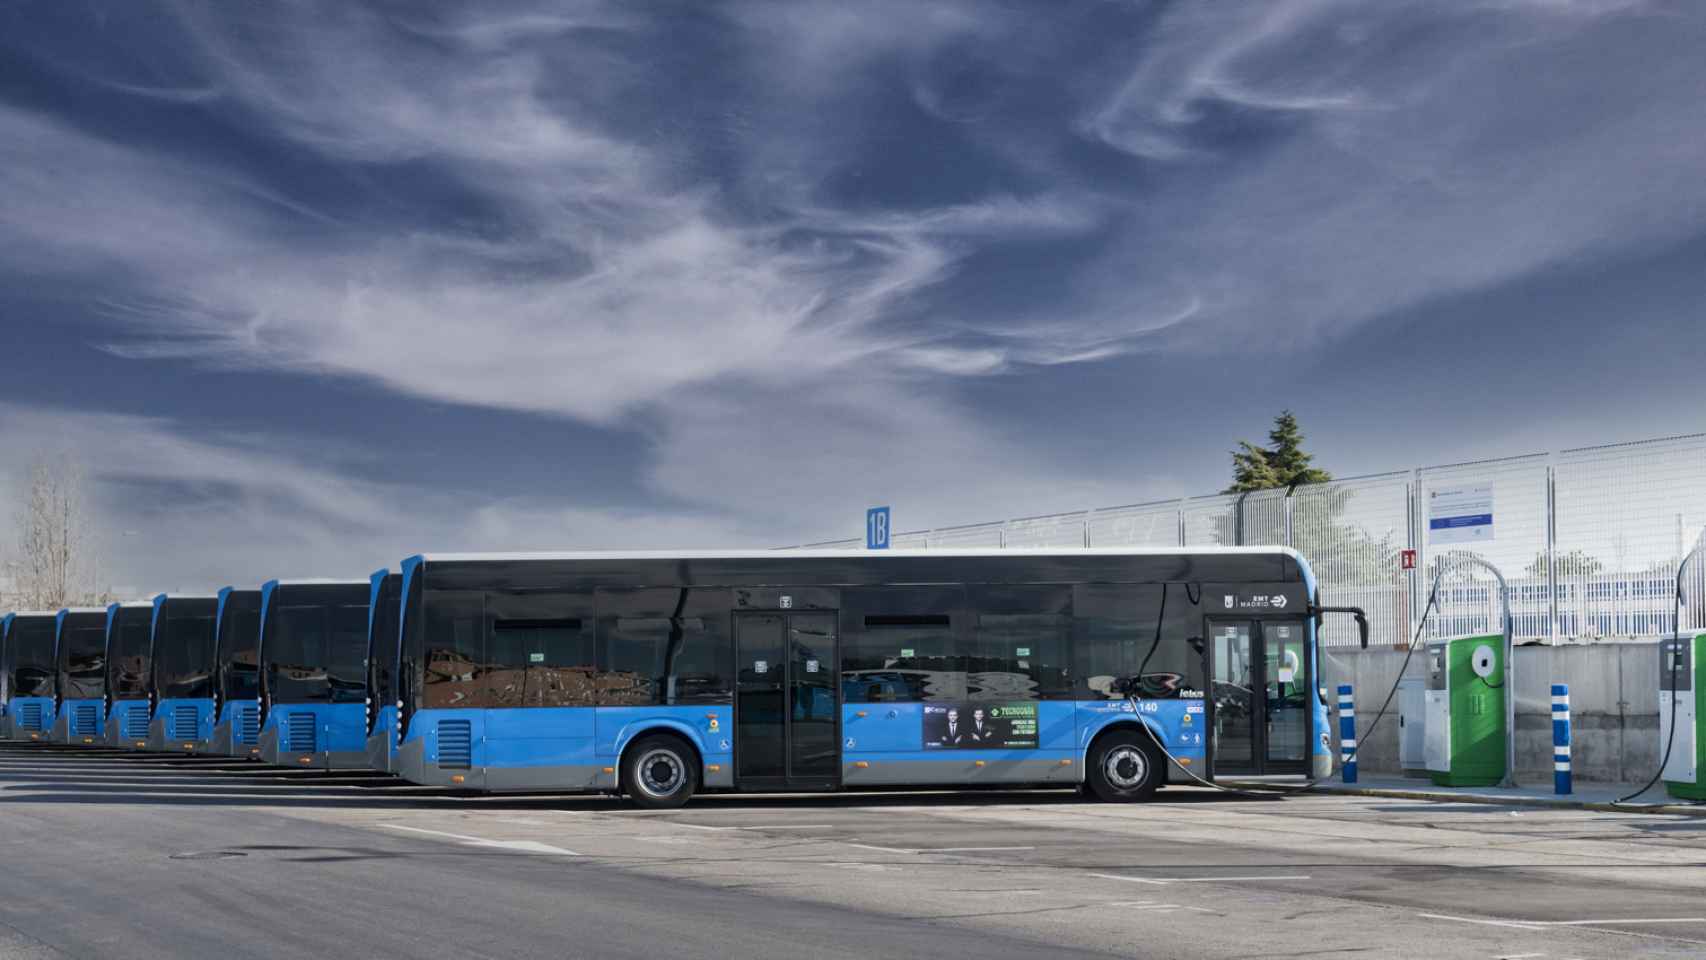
{"x":787,"y":708}
{"x":1258,"y":696}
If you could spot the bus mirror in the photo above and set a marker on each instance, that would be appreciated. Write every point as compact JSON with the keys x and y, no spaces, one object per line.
{"x":1357,"y":612}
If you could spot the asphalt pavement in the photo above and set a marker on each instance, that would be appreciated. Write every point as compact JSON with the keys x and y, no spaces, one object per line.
{"x":125,"y":855}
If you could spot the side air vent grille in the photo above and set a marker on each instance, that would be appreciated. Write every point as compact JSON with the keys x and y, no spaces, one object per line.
{"x":29,"y":716}
{"x":299,"y":730}
{"x":85,"y":719}
{"x":455,"y":744}
{"x":182,"y":725}
{"x":248,"y":724}
{"x":135,"y":726}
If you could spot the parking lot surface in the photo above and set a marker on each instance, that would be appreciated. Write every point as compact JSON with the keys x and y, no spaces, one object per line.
{"x":110,"y":855}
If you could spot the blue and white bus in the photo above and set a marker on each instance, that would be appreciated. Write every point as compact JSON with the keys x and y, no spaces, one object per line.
{"x":30,"y":670}
{"x":130,"y":674}
{"x":659,"y":675}
{"x":384,"y":594}
{"x":313,"y":679}
{"x":236,"y":687}
{"x":80,"y":676}
{"x":183,"y":674}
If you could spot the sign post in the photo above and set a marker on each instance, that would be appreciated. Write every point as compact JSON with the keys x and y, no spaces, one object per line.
{"x":877,"y":528}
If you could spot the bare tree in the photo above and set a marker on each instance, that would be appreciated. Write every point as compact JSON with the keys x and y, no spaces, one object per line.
{"x":54,"y":566}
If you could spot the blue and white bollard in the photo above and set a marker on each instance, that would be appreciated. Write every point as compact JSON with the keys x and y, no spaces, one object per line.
{"x":1347,"y":735}
{"x":1561,"y":784}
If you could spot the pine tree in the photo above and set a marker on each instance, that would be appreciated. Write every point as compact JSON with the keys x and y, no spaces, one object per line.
{"x":1282,"y":463}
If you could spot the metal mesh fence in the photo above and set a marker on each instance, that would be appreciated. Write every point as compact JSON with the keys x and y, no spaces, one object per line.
{"x":966,"y":538}
{"x":1059,"y":530}
{"x":1139,"y":525}
{"x":1516,"y":542}
{"x":1588,"y":540}
{"x":1352,"y":533}
{"x":1211,"y":521}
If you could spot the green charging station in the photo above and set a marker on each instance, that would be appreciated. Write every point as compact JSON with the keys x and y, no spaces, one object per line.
{"x":1466,"y":730}
{"x":1682,"y":712}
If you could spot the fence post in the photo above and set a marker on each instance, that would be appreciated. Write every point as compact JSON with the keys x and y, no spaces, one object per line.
{"x":1561,"y":783}
{"x":1347,"y":735}
{"x":1552,"y":555}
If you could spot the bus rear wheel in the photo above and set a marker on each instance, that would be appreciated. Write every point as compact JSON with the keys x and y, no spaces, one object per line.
{"x":660,"y":772}
{"x":1125,"y":767}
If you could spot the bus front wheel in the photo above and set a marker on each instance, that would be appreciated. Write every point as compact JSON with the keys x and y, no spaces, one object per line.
{"x":1125,"y":767}
{"x":660,"y":772}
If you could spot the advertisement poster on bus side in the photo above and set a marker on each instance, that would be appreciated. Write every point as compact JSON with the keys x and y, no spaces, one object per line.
{"x":980,"y":726}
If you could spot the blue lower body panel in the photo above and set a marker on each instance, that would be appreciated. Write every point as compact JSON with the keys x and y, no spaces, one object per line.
{"x":555,"y":748}
{"x":315,"y":736}
{"x":81,"y":723}
{"x":237,"y":730}
{"x":382,"y":741}
{"x":127,"y":724}
{"x":182,"y":726}
{"x":30,"y":719}
{"x":881,"y":744}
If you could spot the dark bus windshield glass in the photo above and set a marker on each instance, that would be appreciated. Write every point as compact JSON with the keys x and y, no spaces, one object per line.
{"x":183,"y":649}
{"x":83,"y":656}
{"x":128,"y":651}
{"x":316,"y":643}
{"x":29,"y":653}
{"x":239,"y":639}
{"x":382,"y":645}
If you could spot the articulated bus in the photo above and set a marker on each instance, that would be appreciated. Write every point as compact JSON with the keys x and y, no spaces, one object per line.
{"x":236,"y":683}
{"x":183,"y":674}
{"x":130,"y":673}
{"x":80,"y":676}
{"x":384,"y":593}
{"x":30,"y":671}
{"x":660,"y":675}
{"x":313,"y":640}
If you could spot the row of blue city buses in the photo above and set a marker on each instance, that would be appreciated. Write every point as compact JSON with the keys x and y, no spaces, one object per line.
{"x":662,"y":675}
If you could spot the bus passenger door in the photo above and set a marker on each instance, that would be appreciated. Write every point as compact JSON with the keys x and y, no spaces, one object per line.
{"x":1287,"y":697}
{"x":787,"y":704}
{"x":1235,"y":697}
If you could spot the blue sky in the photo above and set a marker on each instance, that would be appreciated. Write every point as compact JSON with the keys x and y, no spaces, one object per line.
{"x":313,"y":286}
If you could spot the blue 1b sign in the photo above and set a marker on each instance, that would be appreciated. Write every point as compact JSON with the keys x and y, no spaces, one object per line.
{"x":877,"y":528}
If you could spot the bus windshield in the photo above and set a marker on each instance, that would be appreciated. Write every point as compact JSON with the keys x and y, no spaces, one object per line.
{"x":239,"y":639}
{"x":82,"y":657}
{"x":315,"y":650}
{"x":128,"y":653}
{"x":382,"y":645}
{"x":30,"y":654}
{"x":183,"y":657}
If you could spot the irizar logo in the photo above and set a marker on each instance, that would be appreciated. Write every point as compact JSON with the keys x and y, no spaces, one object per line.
{"x":1278,"y":601}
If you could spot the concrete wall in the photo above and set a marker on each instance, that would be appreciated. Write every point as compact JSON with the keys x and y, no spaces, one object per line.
{"x":1614,"y":706}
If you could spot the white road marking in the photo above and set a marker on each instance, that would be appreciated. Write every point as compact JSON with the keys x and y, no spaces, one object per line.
{"x":867,"y":846}
{"x":1542,"y":924}
{"x":519,"y":846}
{"x":697,"y":826}
{"x":1596,"y":923}
{"x":1165,"y":880}
{"x":789,"y":826}
{"x":1521,"y":956}
{"x":1486,"y":923}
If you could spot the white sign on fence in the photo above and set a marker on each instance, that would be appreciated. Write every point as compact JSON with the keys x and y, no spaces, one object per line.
{"x":1460,"y":514}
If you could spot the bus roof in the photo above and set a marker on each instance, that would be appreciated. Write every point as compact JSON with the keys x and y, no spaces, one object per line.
{"x":318,"y":582}
{"x":856,"y":554}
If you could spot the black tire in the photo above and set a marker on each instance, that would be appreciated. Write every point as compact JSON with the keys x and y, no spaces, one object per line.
{"x":1125,"y":766}
{"x":660,"y":772}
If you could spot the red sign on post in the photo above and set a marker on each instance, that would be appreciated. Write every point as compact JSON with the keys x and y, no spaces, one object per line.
{"x":1407,"y":559}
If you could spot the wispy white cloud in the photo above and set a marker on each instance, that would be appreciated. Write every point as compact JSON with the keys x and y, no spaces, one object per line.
{"x":177,"y":508}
